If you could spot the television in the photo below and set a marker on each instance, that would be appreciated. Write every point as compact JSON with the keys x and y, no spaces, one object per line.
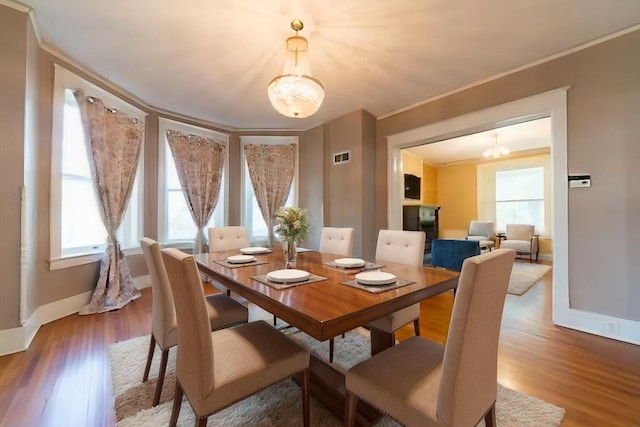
{"x":411,"y":187}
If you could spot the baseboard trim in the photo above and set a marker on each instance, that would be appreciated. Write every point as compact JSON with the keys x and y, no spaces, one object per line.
{"x":599,"y":324}
{"x":18,"y":339}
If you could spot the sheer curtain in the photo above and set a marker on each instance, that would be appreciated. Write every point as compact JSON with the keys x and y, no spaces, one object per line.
{"x":113,"y":142}
{"x":271,"y":169}
{"x":199,"y":162}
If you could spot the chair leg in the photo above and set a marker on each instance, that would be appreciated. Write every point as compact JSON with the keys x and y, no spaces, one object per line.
{"x":163,"y":369}
{"x":152,"y":347}
{"x":416,"y":326}
{"x":177,"y":402}
{"x":490,"y":416}
{"x":275,"y":320}
{"x":350,"y":410}
{"x":228,"y":292}
{"x":202,"y":422}
{"x":331,"y":350}
{"x":305,"y":385}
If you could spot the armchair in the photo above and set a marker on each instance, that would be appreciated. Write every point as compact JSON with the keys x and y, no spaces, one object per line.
{"x":522,"y":239}
{"x":484,"y":232}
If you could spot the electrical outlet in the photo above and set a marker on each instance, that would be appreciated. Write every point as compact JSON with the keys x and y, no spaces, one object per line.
{"x":611,"y":328}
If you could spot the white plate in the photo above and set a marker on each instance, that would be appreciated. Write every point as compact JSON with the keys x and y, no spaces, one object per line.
{"x":288,"y":276}
{"x":254,"y":250}
{"x":375,"y":278}
{"x":349,"y":262}
{"x":240,"y":259}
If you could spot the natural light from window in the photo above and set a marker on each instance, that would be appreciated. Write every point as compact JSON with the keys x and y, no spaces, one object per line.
{"x":520,"y":198}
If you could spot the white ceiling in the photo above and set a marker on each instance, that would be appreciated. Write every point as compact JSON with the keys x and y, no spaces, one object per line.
{"x":212,"y":59}
{"x":526,"y":136}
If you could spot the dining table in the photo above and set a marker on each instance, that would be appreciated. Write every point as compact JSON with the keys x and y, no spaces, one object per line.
{"x":331,"y":302}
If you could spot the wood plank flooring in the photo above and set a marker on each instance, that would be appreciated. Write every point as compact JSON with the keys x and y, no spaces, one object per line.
{"x":64,"y":377}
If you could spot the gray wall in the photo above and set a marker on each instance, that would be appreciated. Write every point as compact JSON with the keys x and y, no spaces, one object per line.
{"x":603,"y":108}
{"x":13,"y":57}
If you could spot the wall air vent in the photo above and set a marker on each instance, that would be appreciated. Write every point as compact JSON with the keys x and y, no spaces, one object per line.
{"x":341,"y":158}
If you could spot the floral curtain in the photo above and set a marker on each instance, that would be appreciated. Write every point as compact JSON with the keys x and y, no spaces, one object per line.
{"x":113,"y":141}
{"x":271,"y":169}
{"x":199,"y":163}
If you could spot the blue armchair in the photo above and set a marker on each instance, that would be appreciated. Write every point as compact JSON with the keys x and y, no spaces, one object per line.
{"x":450,"y":253}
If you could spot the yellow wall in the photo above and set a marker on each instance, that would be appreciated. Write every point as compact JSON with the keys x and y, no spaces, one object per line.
{"x":456,"y":190}
{"x":429,"y":185}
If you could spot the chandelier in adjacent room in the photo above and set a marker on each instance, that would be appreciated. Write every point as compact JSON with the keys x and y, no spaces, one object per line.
{"x":295,"y":93}
{"x":495,"y":151}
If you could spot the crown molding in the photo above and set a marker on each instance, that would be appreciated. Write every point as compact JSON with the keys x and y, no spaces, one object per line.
{"x":15,"y":5}
{"x":515,"y":70}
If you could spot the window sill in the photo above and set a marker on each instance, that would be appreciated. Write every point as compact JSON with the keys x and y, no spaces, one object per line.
{"x":73,"y":261}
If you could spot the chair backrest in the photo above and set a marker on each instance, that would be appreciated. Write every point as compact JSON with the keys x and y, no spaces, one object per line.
{"x":481,"y":230}
{"x":520,"y":231}
{"x":450,"y":253}
{"x":468,"y":383}
{"x":406,"y":247}
{"x":194,"y":362}
{"x":163,"y":313}
{"x":336,"y":240}
{"x":226,"y":238}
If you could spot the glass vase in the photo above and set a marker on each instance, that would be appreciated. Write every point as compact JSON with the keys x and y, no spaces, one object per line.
{"x":290,"y":247}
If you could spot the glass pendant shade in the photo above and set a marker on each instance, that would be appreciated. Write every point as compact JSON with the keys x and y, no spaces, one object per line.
{"x":295,"y":93}
{"x":495,"y":151}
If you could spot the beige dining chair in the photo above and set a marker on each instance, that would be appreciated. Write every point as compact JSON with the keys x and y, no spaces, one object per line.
{"x":217,"y":369}
{"x":523,"y":239}
{"x":229,"y":237}
{"x":222,"y":312}
{"x":422,"y":383}
{"x":336,"y":240}
{"x":339,"y":241}
{"x":225,"y":239}
{"x":405,"y":247}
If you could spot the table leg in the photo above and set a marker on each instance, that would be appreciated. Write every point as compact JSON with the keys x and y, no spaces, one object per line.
{"x":381,"y":340}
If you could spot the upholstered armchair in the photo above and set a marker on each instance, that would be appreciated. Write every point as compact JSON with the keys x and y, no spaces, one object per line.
{"x":523,"y":239}
{"x":483,"y":232}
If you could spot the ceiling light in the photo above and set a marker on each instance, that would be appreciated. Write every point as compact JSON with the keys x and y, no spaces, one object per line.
{"x":495,"y":151}
{"x":295,"y":93}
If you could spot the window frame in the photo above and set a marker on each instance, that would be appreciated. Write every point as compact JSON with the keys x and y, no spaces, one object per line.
{"x":244,"y":208}
{"x":165,"y":124}
{"x":486,"y":187}
{"x":65,"y":79}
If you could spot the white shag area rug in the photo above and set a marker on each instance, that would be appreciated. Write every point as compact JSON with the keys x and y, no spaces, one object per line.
{"x":524,"y":275}
{"x":280,"y":404}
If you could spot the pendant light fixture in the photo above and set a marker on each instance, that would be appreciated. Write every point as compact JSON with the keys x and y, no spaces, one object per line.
{"x":295,"y":93}
{"x":495,"y":151}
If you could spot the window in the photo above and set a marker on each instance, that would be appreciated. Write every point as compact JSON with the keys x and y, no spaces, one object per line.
{"x":174,"y":219}
{"x":251,"y":214}
{"x":520,"y":197}
{"x":76,"y":225}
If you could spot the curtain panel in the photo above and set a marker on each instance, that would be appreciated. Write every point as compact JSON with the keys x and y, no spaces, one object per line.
{"x":113,"y":141}
{"x":199,"y":162}
{"x":271,"y":169}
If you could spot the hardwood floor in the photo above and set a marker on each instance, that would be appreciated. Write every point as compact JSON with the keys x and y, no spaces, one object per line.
{"x":64,"y":377}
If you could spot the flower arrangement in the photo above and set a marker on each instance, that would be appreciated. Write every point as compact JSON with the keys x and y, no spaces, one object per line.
{"x":292,"y":222}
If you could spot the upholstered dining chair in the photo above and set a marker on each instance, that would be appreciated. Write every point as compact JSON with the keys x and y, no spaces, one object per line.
{"x":219,"y":368}
{"x":405,"y":247}
{"x":339,"y":241}
{"x":222,"y":312}
{"x":422,"y":383}
{"x":483,"y":232}
{"x":229,"y":237}
{"x":336,"y":240}
{"x":523,"y":239}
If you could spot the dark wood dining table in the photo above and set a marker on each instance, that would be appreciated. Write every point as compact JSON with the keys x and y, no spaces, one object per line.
{"x":327,"y":308}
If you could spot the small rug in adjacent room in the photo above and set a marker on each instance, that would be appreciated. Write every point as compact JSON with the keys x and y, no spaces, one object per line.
{"x":278,"y":405}
{"x":524,"y":275}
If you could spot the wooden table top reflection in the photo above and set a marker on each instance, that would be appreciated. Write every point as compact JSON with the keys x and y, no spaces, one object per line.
{"x":326,"y":308}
